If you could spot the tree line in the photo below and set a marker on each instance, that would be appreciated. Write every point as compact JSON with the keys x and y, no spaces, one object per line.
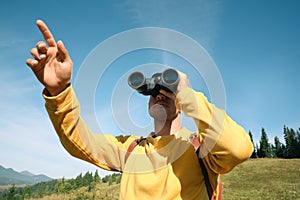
{"x":264,"y":149}
{"x":289,"y":149}
{"x":56,"y":186}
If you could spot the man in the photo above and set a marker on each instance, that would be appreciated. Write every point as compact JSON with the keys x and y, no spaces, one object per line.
{"x":162,"y":166}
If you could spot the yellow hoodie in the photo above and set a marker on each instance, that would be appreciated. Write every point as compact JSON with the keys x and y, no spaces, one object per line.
{"x":164,"y":167}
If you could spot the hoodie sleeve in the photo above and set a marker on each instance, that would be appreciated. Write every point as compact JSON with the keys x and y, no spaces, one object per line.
{"x":105,"y":151}
{"x":224,"y":143}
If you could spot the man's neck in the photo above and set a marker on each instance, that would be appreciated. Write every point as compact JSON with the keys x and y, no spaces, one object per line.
{"x":167,"y":127}
{"x":162,"y":128}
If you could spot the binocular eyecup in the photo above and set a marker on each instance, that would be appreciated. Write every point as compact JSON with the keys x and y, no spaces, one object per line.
{"x":167,"y":80}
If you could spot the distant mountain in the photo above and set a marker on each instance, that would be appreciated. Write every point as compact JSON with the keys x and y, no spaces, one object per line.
{"x":9,"y":176}
{"x":27,"y":173}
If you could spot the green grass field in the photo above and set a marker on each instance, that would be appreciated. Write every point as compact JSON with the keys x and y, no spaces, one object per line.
{"x":254,"y":179}
{"x":263,"y":179}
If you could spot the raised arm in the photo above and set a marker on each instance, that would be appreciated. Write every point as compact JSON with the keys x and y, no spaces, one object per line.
{"x":52,"y":66}
{"x":224,"y":143}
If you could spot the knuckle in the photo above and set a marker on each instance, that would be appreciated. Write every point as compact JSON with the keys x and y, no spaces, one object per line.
{"x":33,"y":50}
{"x":40,"y":45}
{"x":40,"y":42}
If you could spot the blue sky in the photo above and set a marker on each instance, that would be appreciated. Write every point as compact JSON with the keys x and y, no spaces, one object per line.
{"x":254,"y":44}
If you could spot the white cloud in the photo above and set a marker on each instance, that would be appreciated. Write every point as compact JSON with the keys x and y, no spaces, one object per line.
{"x":28,"y":140}
{"x":199,"y":19}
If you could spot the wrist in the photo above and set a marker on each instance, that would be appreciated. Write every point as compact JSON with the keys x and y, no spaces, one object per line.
{"x":55,"y":91}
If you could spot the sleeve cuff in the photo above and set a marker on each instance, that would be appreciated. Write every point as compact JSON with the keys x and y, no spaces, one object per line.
{"x":185,"y":93}
{"x":57,"y":102}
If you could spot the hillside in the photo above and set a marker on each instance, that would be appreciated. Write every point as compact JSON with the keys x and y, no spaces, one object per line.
{"x":263,"y":179}
{"x":254,"y":179}
{"x":9,"y":176}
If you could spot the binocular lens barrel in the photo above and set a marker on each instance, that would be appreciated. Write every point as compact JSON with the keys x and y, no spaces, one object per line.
{"x":136,"y":80}
{"x":167,"y":80}
{"x":170,"y":76}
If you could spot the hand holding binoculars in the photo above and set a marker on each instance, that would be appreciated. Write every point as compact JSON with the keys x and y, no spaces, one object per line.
{"x":167,"y":80}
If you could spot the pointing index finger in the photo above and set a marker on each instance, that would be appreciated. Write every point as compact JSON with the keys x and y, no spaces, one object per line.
{"x":46,"y":33}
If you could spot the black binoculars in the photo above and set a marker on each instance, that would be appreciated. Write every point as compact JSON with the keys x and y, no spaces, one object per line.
{"x":167,"y":80}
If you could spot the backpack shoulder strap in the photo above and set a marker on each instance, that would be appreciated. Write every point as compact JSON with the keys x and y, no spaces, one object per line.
{"x":205,"y":174}
{"x":194,"y":139}
{"x":195,"y":142}
{"x":133,"y":144}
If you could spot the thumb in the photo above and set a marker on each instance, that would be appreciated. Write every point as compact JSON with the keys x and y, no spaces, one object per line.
{"x":63,"y":52}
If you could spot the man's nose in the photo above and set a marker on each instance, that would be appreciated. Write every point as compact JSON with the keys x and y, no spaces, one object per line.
{"x":160,"y":97}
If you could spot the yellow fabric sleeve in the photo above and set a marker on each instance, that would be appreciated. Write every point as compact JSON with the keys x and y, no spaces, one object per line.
{"x":105,"y":151}
{"x":224,"y":143}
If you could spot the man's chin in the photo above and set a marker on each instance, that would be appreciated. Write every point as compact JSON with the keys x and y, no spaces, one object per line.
{"x":158,"y":112}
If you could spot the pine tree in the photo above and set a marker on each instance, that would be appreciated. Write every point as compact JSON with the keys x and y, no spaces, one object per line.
{"x":298,"y":143}
{"x":292,"y":143}
{"x":97,"y":178}
{"x":278,"y":148}
{"x":79,"y":181}
{"x":87,"y":178}
{"x":11,"y":193}
{"x":254,"y":154}
{"x":264,"y":150}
